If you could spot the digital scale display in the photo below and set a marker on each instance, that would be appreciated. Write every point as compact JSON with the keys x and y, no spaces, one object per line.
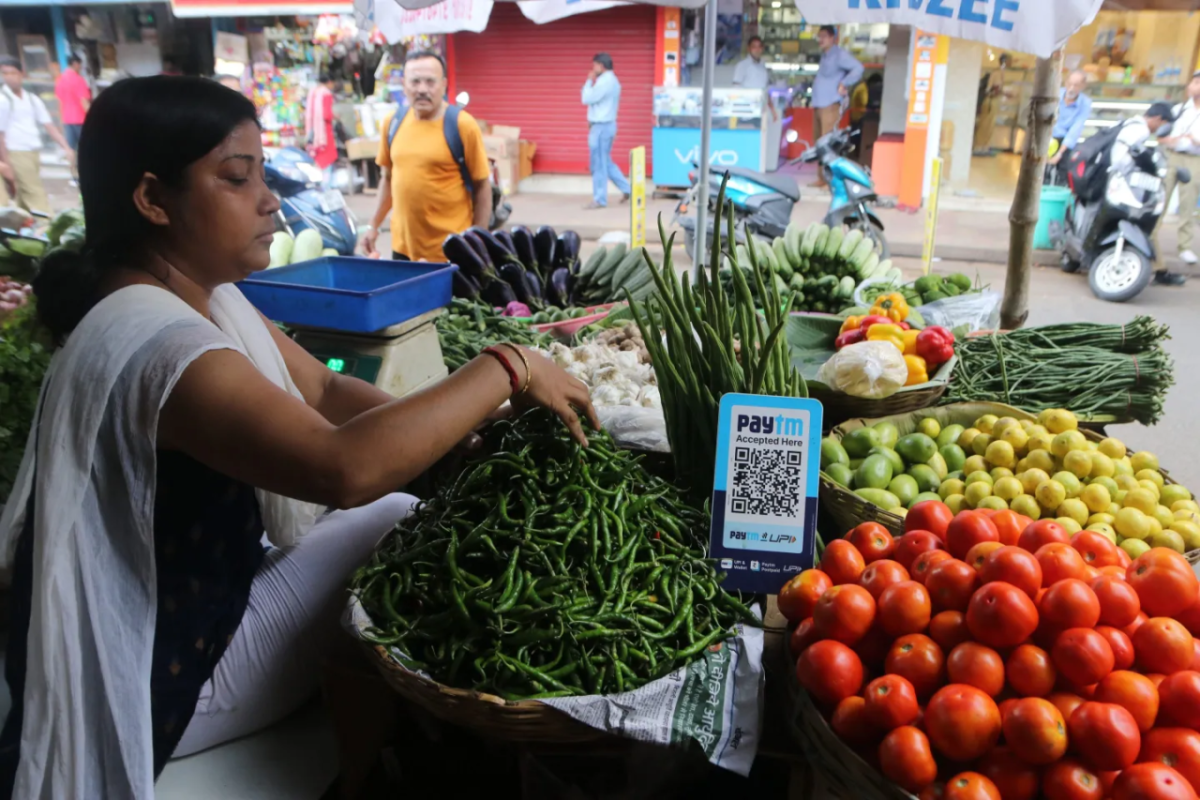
{"x":365,"y":367}
{"x":340,"y":365}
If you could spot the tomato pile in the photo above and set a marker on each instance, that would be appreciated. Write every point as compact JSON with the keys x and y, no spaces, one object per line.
{"x":986,"y":656}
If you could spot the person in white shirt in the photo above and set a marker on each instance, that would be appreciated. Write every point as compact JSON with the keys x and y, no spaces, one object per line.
{"x":1133,"y":135}
{"x":1183,"y":150}
{"x":22,"y":115}
{"x":751,"y":72}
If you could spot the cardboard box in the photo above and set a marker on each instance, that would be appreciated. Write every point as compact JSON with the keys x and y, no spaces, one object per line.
{"x":528,"y":150}
{"x":505,"y":131}
{"x":504,"y":141}
{"x":509,"y":172}
{"x":362,"y":148}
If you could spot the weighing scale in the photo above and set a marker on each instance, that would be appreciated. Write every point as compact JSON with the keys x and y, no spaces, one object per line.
{"x":363,"y":317}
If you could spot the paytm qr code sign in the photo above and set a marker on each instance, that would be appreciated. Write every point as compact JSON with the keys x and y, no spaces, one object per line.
{"x":765,"y":489}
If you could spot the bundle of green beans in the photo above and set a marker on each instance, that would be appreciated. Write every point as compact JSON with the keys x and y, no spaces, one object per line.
{"x":1108,"y":371}
{"x":467,"y":327}
{"x":548,"y":570}
{"x":716,"y":343}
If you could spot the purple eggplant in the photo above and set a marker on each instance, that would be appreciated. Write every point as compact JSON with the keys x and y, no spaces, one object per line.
{"x":567,"y":255}
{"x":478,"y":246}
{"x":499,"y":252}
{"x":534,"y":282}
{"x":464,"y":286}
{"x":505,"y":238}
{"x":558,"y":289}
{"x":515,"y":276}
{"x":523,"y":241}
{"x":545,"y":246}
{"x":498,"y":294}
{"x":459,"y":252}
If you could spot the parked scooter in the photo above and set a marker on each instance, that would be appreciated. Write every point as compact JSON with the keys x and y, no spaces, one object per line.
{"x":1112,"y":236}
{"x":304,"y":202}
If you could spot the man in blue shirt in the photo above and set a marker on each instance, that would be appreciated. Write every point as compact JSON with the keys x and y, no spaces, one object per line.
{"x":836,"y":77}
{"x":1074,"y":110}
{"x":602,"y":96}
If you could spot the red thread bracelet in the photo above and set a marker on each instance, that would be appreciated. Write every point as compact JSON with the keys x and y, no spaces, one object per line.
{"x":514,"y":380}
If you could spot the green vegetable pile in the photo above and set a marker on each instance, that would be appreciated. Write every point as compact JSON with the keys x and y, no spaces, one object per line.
{"x":467,"y":327}
{"x":924,"y":290}
{"x":23,"y":363}
{"x":716,"y":343}
{"x":1118,"y":372}
{"x":558,"y":315}
{"x":548,"y":570}
{"x":820,"y":267}
{"x":610,"y":272}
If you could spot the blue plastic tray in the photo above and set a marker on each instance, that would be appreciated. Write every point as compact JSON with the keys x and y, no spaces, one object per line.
{"x":359,"y":295}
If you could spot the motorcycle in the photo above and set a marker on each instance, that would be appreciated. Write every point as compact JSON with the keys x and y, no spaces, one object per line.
{"x":305,"y":202}
{"x":851,"y":188}
{"x":1112,"y":237}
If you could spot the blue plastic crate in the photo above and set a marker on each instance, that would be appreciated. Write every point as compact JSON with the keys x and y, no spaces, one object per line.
{"x":359,"y":295}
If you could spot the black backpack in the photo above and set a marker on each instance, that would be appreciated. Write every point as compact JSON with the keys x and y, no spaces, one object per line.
{"x":1087,"y":165}
{"x":500,"y":209}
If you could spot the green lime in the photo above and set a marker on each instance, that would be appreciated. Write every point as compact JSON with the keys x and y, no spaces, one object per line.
{"x":905,"y":488}
{"x":916,"y":448}
{"x":888,"y":433}
{"x":980,"y":477}
{"x":875,"y":473}
{"x":858,"y":442}
{"x":927,"y":479}
{"x":954,"y":455}
{"x":892,"y":456}
{"x":880,"y":497}
{"x":832,"y":452}
{"x":922,"y":497}
{"x":950,"y":435}
{"x":841,"y":474}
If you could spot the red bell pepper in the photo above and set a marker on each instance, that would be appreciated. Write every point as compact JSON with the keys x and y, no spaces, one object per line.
{"x":849,"y":338}
{"x":935,"y":344}
{"x":874,"y":319}
{"x":904,"y":326}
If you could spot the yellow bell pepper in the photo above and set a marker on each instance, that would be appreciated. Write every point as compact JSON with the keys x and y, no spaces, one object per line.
{"x":851,"y":324}
{"x":887,"y":333}
{"x":918,"y":372}
{"x":893,"y":306}
{"x":910,"y":341}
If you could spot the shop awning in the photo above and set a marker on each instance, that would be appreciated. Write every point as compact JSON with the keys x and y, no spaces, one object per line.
{"x":258,"y":8}
{"x":1151,"y":5}
{"x":1026,"y":26}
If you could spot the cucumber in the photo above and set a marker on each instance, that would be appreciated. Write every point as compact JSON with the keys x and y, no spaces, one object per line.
{"x":781,"y":258}
{"x":834,"y":243}
{"x":849,"y":244}
{"x":593,"y":262}
{"x":610,"y":262}
{"x":818,"y":248}
{"x":862,"y":253}
{"x":627,"y":268}
{"x":846,"y":288}
{"x":741,"y":257}
{"x":812,"y":235}
{"x":870,"y":267}
{"x":791,"y":242}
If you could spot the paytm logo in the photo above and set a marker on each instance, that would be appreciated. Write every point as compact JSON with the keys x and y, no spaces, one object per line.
{"x":966,"y":10}
{"x":778,"y":424}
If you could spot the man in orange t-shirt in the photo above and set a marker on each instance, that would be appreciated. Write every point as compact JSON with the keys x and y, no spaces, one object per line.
{"x":428,"y":198}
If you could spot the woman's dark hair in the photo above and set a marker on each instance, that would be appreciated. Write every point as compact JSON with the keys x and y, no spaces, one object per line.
{"x":159,"y":125}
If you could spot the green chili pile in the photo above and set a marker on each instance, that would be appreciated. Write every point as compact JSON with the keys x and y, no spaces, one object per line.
{"x":548,"y":570}
{"x":467,"y":327}
{"x":1117,"y":372}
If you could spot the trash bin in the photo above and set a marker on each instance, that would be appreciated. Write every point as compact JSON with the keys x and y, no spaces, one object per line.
{"x":1053,"y":208}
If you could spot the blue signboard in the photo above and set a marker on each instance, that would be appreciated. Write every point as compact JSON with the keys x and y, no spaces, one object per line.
{"x":676,"y":148}
{"x":764,"y":501}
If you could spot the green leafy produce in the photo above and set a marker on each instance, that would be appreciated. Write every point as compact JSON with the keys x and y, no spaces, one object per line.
{"x":467,"y":327}
{"x":23,"y":362}
{"x":548,"y":570}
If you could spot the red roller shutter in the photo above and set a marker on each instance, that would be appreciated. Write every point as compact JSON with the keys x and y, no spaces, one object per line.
{"x":527,"y":75}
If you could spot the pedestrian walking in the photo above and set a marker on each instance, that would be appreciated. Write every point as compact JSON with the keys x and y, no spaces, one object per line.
{"x":1074,"y":110}
{"x":318,"y":124}
{"x":435,"y":164}
{"x":22,"y":116}
{"x":1183,"y":150}
{"x":751,"y":72}
{"x":602,"y":96}
{"x":837,"y":75}
{"x":74,"y":98}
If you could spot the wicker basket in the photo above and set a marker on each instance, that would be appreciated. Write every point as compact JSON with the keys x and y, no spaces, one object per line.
{"x":840,"y":407}
{"x":484,"y":714}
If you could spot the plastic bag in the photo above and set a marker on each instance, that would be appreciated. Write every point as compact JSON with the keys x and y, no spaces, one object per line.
{"x":978,"y":311}
{"x":873,"y":370}
{"x":636,"y":427}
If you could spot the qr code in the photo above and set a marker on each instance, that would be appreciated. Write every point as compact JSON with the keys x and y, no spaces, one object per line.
{"x":767,"y":482}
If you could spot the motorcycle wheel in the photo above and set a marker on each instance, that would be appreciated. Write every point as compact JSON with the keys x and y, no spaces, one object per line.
{"x":873,"y":232}
{"x":1118,"y":282}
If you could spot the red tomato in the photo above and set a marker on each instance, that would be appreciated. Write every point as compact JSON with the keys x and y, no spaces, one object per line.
{"x":1195,"y":653}
{"x":979,"y":553}
{"x":967,"y":529}
{"x":1164,"y":581}
{"x":1134,"y":692}
{"x":912,"y":544}
{"x":924,"y":562}
{"x":872,"y":647}
{"x":891,"y":702}
{"x":1179,"y":699}
{"x":799,"y":596}
{"x":1178,"y":748}
{"x":978,"y":666}
{"x":951,"y":584}
{"x":1040,"y":533}
{"x":1119,"y":603}
{"x":904,"y":608}
{"x":1006,"y":706}
{"x":844,"y":613}
{"x":1096,"y":550}
{"x":934,"y":791}
{"x":1122,"y":647}
{"x":851,"y":724}
{"x":1014,"y":779}
{"x":963,"y":723}
{"x":804,"y":635}
{"x":1157,"y":678}
{"x":949,"y":629}
{"x":1013,"y":565}
{"x":880,"y":575}
{"x":842,"y":562}
{"x":1132,"y":627}
{"x":1035,"y":731}
{"x":1030,"y":671}
{"x":1059,"y":562}
{"x":918,"y":659}
{"x":1001,"y":615}
{"x":1117,"y":571}
{"x":1190,"y":617}
{"x":1070,"y":603}
{"x":970,"y":786}
{"x":1088,"y":574}
{"x":1152,"y":782}
{"x":929,"y":515}
{"x":1009,"y":525}
{"x":1105,"y":735}
{"x":872,"y":540}
{"x":1163,"y":645}
{"x":1065,"y":702}
{"x":830,"y":671}
{"x":1082,"y":656}
{"x":1070,"y":780}
{"x":906,"y":759}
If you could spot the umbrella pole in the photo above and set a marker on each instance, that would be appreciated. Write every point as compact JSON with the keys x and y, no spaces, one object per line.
{"x":710,"y":61}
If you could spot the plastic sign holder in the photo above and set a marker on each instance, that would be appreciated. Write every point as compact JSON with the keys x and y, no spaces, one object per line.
{"x":765,"y":486}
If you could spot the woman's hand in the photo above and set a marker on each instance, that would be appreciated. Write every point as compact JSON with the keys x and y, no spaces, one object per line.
{"x":550,"y":387}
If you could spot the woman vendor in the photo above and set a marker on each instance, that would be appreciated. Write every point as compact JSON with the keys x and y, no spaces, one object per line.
{"x":176,"y":425}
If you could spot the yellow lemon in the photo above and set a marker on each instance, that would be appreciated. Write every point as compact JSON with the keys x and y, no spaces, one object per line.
{"x":1164,"y":516}
{"x":985,"y":423}
{"x":1101,"y":519}
{"x":1141,"y":499}
{"x":956,"y":503}
{"x":1074,"y":509}
{"x":1028,"y":425}
{"x":1134,"y":547}
{"x":1017,"y":438}
{"x":1050,"y":494}
{"x":1190,"y":505}
{"x":1067,"y":441}
{"x":1040,"y":459}
{"x":980,"y":477}
{"x":1102,"y":465}
{"x":1152,"y":475}
{"x":1190,"y":531}
{"x":1069,"y":525}
{"x":1058,"y":420}
{"x":1173,"y":493}
{"x":1155,"y":526}
{"x":1000,"y":472}
{"x":1096,"y":498}
{"x":1072,"y":485}
{"x":1186,"y":515}
{"x":1078,"y":462}
{"x":952,"y":486}
{"x":974,"y":464}
{"x":930,"y":427}
{"x":1151,"y":487}
{"x":1022,"y":465}
{"x":1104,"y":530}
{"x":1114,"y":508}
{"x":976,"y":492}
{"x":1007,"y":488}
{"x":1113,"y":448}
{"x":1169,"y":539}
{"x":1039,"y":441}
{"x":1003,"y":424}
{"x":1030,"y":479}
{"x":1107,"y":483}
{"x":1119,"y":497}
{"x":1132,"y":524}
{"x":968,"y":436}
{"x":1126,"y":482}
{"x":993,"y":502}
{"x":980,"y":444}
{"x":1121,"y":466}
{"x":1026,"y":504}
{"x":1143,"y":460}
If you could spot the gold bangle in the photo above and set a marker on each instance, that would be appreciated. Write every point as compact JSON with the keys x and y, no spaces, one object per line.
{"x":525,"y":361}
